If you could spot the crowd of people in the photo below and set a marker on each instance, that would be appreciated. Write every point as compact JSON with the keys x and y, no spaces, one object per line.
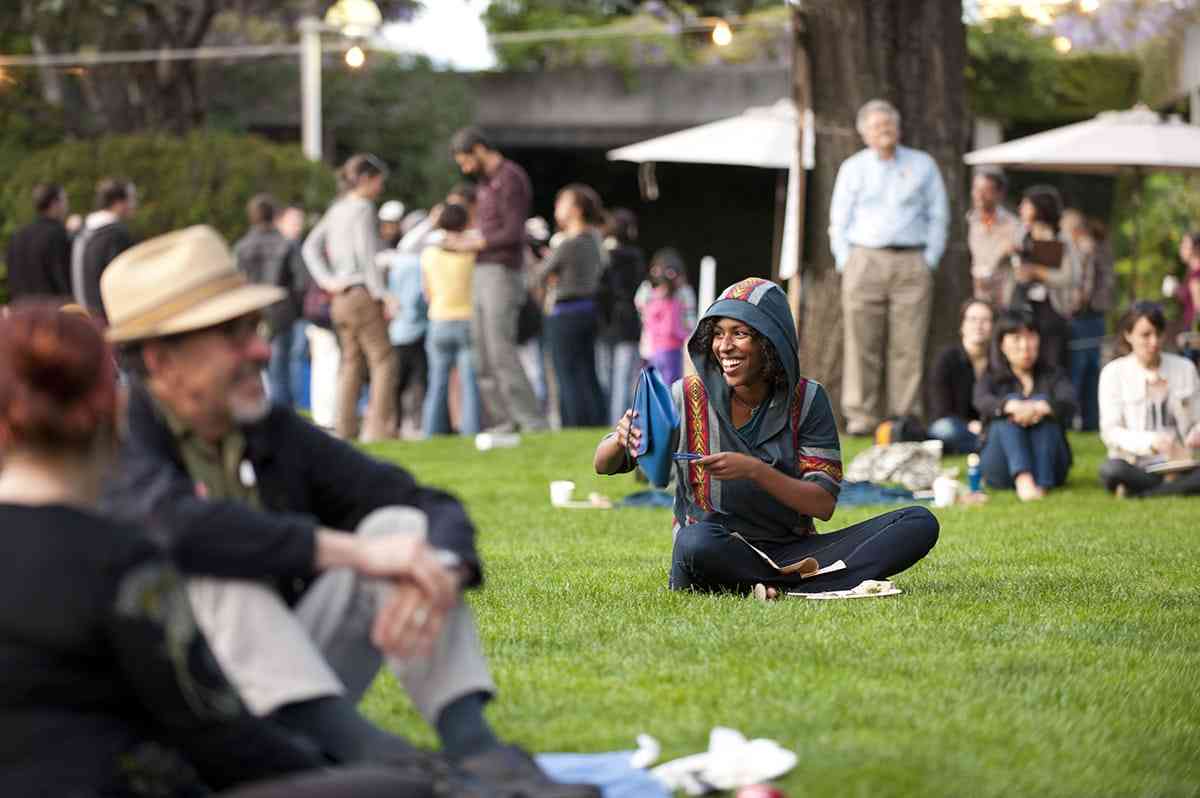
{"x":233,"y":577}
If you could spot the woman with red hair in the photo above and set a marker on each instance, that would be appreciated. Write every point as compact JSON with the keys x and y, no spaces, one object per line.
{"x":106,"y":685}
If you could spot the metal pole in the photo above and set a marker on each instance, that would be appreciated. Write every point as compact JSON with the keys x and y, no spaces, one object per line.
{"x":310,"y":87}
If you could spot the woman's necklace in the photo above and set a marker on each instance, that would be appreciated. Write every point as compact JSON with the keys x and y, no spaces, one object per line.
{"x":744,"y":403}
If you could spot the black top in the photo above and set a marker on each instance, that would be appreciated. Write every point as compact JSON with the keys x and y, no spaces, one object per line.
{"x":993,"y":390}
{"x":103,"y":673}
{"x":619,"y":319}
{"x":305,"y":478}
{"x":951,"y":386}
{"x":39,"y":260}
{"x":100,"y":247}
{"x":266,"y":256}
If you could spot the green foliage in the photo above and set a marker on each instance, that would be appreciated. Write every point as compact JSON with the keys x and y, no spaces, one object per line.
{"x":1037,"y":651}
{"x":1015,"y":75}
{"x":405,"y":112}
{"x":203,"y":178}
{"x":1153,"y":221}
{"x":401,"y":109}
{"x":628,"y":34}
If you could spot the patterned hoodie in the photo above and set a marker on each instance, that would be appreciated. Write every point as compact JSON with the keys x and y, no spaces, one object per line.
{"x":798,"y":435}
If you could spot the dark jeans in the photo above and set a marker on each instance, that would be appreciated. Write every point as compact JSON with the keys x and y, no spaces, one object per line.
{"x":412,"y":380}
{"x":1147,"y":486}
{"x":1083,"y":358}
{"x":708,"y":558}
{"x":1011,"y":449}
{"x":955,"y":437}
{"x":572,"y":338}
{"x":279,"y":368}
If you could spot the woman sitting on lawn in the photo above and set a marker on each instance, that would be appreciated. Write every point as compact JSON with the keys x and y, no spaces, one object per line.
{"x":107,"y":687}
{"x":770,"y":462}
{"x":1025,"y":406}
{"x":1149,"y":408}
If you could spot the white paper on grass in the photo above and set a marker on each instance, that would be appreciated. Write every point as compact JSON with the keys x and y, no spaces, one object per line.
{"x":731,"y":761}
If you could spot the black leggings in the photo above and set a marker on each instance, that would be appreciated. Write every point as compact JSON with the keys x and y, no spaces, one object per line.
{"x":1146,"y":486}
{"x":708,"y":558}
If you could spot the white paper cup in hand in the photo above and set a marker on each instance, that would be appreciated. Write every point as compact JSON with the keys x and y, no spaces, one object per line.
{"x":561,"y":491}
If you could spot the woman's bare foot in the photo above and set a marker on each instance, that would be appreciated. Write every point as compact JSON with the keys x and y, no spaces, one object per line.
{"x":764,"y":593}
{"x":1027,"y":489}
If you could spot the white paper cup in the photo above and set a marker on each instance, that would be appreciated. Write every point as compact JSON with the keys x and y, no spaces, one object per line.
{"x":945,"y":491}
{"x":561,"y":491}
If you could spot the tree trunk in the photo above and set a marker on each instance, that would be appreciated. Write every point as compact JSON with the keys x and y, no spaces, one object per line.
{"x":912,"y":53}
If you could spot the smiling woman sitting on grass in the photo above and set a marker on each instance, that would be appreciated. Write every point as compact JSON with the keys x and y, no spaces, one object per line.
{"x":770,"y":462}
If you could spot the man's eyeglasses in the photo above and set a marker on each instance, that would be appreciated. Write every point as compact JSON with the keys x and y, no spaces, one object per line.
{"x":241,"y":330}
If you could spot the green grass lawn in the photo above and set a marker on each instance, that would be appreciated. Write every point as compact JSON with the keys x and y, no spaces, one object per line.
{"x":1045,"y":649}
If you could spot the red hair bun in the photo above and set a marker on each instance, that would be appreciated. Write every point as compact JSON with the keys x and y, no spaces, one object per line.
{"x":57,"y":379}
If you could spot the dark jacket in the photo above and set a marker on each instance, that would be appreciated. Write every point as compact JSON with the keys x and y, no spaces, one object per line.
{"x":993,"y":390}
{"x":266,"y":256}
{"x":952,"y":386}
{"x":105,"y":679}
{"x":39,"y":260}
{"x":99,"y":248}
{"x":305,"y":478}
{"x":619,"y":319}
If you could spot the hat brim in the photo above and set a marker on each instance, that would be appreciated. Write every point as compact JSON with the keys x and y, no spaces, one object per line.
{"x":218,"y":309}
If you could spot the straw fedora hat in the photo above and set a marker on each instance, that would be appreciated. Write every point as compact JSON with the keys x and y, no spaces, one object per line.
{"x":176,"y":283}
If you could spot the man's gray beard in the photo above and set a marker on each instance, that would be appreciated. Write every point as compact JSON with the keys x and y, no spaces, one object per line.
{"x":247,"y":413}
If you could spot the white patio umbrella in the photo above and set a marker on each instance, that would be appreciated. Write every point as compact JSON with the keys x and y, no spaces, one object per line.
{"x":761,"y":136}
{"x":1115,"y":142}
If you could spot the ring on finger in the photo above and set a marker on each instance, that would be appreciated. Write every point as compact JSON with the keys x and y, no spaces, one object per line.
{"x":420,"y":616}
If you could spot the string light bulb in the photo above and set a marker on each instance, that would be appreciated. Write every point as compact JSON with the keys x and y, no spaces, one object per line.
{"x":1088,"y":6}
{"x":722,"y":34}
{"x":1062,"y":44}
{"x":355,"y":57}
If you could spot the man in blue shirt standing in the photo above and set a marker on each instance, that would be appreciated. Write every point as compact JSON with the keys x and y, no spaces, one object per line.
{"x":887,"y":230}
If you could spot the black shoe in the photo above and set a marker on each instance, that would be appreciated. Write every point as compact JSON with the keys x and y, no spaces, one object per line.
{"x":512,"y":773}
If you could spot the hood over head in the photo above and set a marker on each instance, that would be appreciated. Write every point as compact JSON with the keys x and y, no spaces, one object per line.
{"x":763,"y":305}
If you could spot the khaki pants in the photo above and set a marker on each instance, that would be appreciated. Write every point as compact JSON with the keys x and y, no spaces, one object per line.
{"x":276,"y":655}
{"x":885,"y":308}
{"x":362,"y":333}
{"x":504,"y":389}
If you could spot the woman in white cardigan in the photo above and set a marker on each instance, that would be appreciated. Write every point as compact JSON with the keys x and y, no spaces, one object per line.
{"x":1149,"y":410}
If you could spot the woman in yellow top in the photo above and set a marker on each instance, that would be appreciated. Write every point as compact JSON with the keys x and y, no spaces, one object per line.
{"x":446,"y":277}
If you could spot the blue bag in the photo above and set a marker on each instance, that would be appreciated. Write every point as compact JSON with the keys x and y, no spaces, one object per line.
{"x":657,"y":419}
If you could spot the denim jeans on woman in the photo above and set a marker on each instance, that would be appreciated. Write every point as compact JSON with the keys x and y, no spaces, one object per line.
{"x":447,"y":344}
{"x":1083,"y":359}
{"x":572,"y":337}
{"x":1040,"y":450}
{"x":956,"y":438}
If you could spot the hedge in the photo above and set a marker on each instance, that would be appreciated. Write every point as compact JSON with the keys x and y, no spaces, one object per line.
{"x":202,"y":178}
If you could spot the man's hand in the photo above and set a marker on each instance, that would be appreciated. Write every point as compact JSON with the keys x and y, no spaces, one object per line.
{"x":731,"y":465}
{"x":1193,"y":438}
{"x":408,"y":624}
{"x":391,"y":306}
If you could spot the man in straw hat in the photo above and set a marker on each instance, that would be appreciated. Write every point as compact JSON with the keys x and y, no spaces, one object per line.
{"x":310,"y":562}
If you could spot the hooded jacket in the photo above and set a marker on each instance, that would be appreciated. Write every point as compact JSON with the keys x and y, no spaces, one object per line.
{"x":798,"y":435}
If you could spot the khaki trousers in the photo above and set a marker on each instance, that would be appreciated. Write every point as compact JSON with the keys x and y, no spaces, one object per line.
{"x":498,"y":293}
{"x":276,"y":655}
{"x":362,"y":333}
{"x":885,"y":308}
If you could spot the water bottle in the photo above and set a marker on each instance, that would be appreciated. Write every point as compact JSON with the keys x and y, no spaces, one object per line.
{"x":974,"y":473}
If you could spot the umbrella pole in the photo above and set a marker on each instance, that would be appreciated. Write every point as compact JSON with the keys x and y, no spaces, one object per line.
{"x":1137,"y":238}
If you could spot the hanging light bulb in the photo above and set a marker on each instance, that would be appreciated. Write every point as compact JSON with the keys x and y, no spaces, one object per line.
{"x":1088,"y":6}
{"x":355,"y":57}
{"x":722,"y":34}
{"x":1062,"y":44}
